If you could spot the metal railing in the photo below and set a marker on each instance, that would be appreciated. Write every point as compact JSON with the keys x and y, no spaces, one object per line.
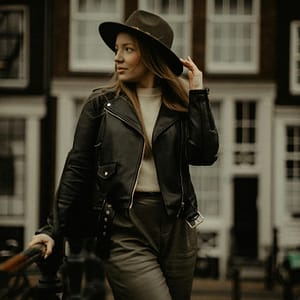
{"x":80,"y":275}
{"x":14,"y":276}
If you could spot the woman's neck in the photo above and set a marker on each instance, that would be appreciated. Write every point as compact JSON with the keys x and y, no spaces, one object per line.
{"x":150,"y":82}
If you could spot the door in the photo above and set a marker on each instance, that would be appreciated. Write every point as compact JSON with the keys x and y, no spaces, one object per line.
{"x":245,"y":217}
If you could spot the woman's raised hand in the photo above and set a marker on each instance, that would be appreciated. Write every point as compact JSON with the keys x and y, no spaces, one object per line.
{"x":194,"y":74}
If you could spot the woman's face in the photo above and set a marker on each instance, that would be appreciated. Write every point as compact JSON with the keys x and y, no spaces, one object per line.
{"x":128,"y":62}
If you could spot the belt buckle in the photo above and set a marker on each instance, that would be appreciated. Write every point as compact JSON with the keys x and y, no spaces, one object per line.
{"x":195,"y":221}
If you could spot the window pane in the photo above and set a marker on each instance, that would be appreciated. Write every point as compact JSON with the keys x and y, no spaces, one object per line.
{"x":12,"y":45}
{"x":234,"y":34}
{"x":233,"y":6}
{"x":218,"y":7}
{"x":88,"y":51}
{"x":252,"y":110}
{"x":6,"y":172}
{"x":164,"y":6}
{"x":96,"y":5}
{"x":292,"y":166}
{"x":295,"y":57}
{"x":245,"y":132}
{"x":239,"y":135}
{"x":298,"y":54}
{"x":248,"y":7}
{"x":298,"y":72}
{"x":12,"y":162}
{"x":252,"y":135}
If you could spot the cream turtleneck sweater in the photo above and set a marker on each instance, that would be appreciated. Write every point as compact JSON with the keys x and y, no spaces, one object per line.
{"x":150,"y":102}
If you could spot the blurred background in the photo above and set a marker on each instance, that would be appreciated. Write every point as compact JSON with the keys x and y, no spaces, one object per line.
{"x":51,"y":57}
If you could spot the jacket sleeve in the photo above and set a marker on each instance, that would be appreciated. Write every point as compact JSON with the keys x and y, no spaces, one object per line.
{"x":77,"y":184}
{"x":202,"y":136}
{"x":74,"y":191}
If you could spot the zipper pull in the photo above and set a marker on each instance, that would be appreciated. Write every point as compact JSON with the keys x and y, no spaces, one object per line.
{"x":180,"y":209}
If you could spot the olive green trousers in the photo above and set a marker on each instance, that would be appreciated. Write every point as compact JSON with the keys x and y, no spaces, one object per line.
{"x":153,"y":255}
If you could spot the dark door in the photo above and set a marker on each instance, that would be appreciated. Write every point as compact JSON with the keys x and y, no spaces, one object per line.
{"x":245,"y":217}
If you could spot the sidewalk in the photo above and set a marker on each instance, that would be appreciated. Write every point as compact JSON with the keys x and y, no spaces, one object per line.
{"x":211,"y":289}
{"x":208,"y":289}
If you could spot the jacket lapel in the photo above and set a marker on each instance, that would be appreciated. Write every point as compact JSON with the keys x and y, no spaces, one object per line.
{"x":121,"y":108}
{"x":165,"y":119}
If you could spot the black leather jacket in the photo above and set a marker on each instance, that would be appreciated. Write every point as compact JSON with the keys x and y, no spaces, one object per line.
{"x":109,"y":143}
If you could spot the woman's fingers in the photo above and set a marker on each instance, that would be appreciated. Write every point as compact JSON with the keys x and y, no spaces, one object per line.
{"x":43,"y":239}
{"x":190,"y":65}
{"x":194,"y":74}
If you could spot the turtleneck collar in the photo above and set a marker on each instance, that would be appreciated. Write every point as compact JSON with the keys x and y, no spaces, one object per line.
{"x":149,"y":92}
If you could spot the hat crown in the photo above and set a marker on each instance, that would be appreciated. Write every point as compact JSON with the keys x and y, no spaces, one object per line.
{"x":153,"y":25}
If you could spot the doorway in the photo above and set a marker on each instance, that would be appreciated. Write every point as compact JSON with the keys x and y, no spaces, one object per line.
{"x":245,"y":226}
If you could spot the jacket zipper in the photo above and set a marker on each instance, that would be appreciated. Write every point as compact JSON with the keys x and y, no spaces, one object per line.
{"x":140,"y":163}
{"x":137,"y":176}
{"x":181,"y":208}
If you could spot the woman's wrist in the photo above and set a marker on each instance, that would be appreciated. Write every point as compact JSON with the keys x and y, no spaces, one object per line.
{"x":196,"y":82}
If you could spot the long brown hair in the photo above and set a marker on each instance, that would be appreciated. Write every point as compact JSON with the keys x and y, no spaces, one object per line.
{"x":174,"y":89}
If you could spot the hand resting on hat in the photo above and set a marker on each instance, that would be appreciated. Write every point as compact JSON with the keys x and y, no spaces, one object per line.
{"x":194,"y":74}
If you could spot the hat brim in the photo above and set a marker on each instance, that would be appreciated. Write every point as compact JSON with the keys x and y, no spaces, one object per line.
{"x":109,"y":31}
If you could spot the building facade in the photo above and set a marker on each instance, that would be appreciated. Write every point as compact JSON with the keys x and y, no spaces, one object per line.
{"x":24,"y":85}
{"x":249,"y":53}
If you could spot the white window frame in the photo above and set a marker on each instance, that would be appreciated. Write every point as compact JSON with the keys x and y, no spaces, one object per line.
{"x":13,"y":204}
{"x":294,"y":156}
{"x":232,"y":67}
{"x":294,"y":57}
{"x":287,"y":117}
{"x":287,"y":225}
{"x":24,"y":61}
{"x":103,"y":63}
{"x":32,"y":109}
{"x":183,"y":42}
{"x":244,"y":125}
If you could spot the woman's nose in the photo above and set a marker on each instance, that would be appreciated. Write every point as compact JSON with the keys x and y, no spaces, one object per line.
{"x":118,"y":56}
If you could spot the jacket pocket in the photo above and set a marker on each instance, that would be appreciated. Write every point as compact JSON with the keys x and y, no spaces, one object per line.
{"x":106,"y":171}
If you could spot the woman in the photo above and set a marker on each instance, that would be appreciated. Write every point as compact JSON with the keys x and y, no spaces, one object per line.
{"x":139,"y":135}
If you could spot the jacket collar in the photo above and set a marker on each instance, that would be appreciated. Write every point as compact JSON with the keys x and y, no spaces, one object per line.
{"x":121,"y":108}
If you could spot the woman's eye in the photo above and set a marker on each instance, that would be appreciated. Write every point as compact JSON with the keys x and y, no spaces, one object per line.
{"x":129,"y":49}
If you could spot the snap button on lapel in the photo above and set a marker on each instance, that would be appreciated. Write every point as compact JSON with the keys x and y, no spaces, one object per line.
{"x":105,"y":173}
{"x":108,"y":104}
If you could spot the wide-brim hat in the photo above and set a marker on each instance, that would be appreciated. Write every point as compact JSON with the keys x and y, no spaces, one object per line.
{"x":147,"y":26}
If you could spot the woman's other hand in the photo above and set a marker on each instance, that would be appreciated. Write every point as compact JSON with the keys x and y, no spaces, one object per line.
{"x":194,"y":74}
{"x":44,"y":239}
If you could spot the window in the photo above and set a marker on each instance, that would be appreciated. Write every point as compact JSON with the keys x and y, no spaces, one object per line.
{"x":12,"y":161}
{"x":292,"y":167}
{"x":13,"y":46}
{"x":206,"y":180}
{"x":232,"y":39}
{"x":245,"y":133}
{"x":88,"y":52}
{"x":295,"y":58}
{"x":178,"y":14}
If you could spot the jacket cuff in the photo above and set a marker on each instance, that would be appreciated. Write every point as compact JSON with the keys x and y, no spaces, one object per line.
{"x":49,"y":230}
{"x":200,"y":91}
